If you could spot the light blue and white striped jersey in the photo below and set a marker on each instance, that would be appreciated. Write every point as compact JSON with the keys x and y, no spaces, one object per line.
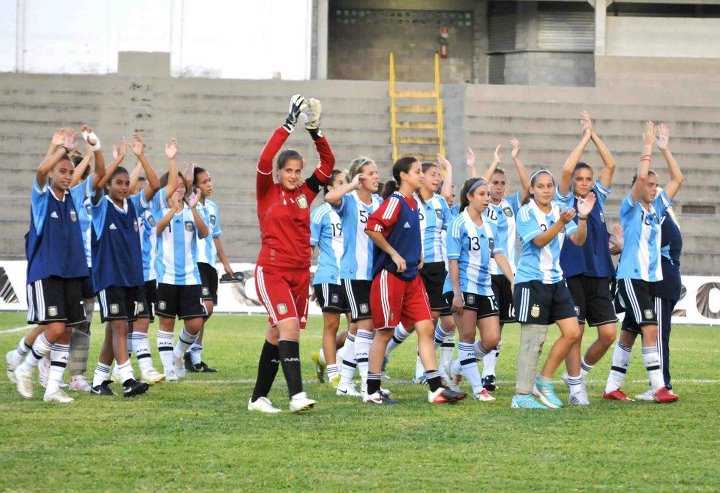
{"x":326,"y":233}
{"x":148,"y":236}
{"x":503,"y":216}
{"x":640,"y":258}
{"x":540,"y":264}
{"x":84,"y":213}
{"x":455,"y":210}
{"x":435,"y":217}
{"x":473,"y":247}
{"x":177,"y":249}
{"x":357,"y":259}
{"x":207,"y":252}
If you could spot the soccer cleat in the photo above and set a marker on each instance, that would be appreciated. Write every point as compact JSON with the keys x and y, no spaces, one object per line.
{"x":526,"y":402}
{"x":663,"y":396}
{"x":335,"y":381}
{"x":263,"y":405}
{"x":132,"y":387}
{"x":545,"y":391}
{"x":348,"y":389}
{"x":179,"y":367}
{"x":616,"y":395}
{"x":319,"y":366}
{"x":444,"y":395}
{"x":79,"y":383}
{"x":379,"y":397}
{"x":171,"y":376}
{"x":565,"y":378}
{"x":58,"y":396}
{"x":202,"y":367}
{"x":189,"y":366}
{"x":646,"y":396}
{"x":43,"y":371}
{"x":421,"y":380}
{"x":103,"y":389}
{"x":454,"y":371}
{"x":483,"y":395}
{"x":152,"y":376}
{"x":579,"y":399}
{"x":24,"y":381}
{"x":300,"y":402}
{"x":489,"y":383}
{"x":10,"y":366}
{"x":446,"y":380}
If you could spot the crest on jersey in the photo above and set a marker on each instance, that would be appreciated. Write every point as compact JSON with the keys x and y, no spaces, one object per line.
{"x":302,"y":201}
{"x":136,"y":227}
{"x":151,"y":221}
{"x":52,"y":311}
{"x":535,"y":311}
{"x":114,"y":309}
{"x":334,"y":298}
{"x":648,"y":314}
{"x":88,"y":208}
{"x":364,"y":308}
{"x":602,"y":217}
{"x":508,"y":211}
{"x":162,"y":305}
{"x":73,"y":215}
{"x":205,"y":291}
{"x":213,"y":219}
{"x":139,"y":308}
{"x":438,"y":213}
{"x":491,"y":246}
{"x":282,"y":308}
{"x":471,"y":299}
{"x":189,"y":226}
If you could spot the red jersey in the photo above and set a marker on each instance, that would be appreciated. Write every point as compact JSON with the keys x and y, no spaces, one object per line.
{"x":284,"y":215}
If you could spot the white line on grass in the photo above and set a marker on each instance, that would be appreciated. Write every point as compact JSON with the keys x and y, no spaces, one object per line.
{"x":691,"y":381}
{"x":17,"y":329}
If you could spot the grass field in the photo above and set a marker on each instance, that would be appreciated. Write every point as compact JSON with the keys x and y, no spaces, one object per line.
{"x":198,"y":435}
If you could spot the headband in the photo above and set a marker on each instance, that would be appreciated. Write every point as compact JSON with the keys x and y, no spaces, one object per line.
{"x":541,"y":170}
{"x":476,"y":184}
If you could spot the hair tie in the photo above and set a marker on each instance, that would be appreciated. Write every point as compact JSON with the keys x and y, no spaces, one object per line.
{"x":476,"y":184}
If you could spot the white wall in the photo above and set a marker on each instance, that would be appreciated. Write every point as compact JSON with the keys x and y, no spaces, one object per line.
{"x":663,"y":37}
{"x":219,"y":38}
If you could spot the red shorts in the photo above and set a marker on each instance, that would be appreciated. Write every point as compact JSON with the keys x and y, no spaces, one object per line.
{"x":285,"y":293}
{"x":394,"y":300}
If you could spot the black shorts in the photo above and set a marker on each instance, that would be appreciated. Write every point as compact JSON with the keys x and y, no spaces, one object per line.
{"x":209,"y":280}
{"x":181,"y":301}
{"x":502,"y":288}
{"x":543,"y":304}
{"x":433,"y":278}
{"x":358,"y":295}
{"x":484,"y":306}
{"x":331,"y":298}
{"x":121,"y":303}
{"x":593,"y":300}
{"x":638,"y":299}
{"x":150,"y":293}
{"x":88,"y":293}
{"x":55,"y":299}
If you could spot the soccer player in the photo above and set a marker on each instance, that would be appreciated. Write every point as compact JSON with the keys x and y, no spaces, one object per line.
{"x":282,"y":272}
{"x":541,"y":295}
{"x":117,"y":272}
{"x":210,"y":249}
{"x":397,"y":292}
{"x":353,"y":203}
{"x":640,"y":267}
{"x":326,"y":234}
{"x":56,"y":266}
{"x":472,"y":241}
{"x":502,"y":211}
{"x":588,"y":268}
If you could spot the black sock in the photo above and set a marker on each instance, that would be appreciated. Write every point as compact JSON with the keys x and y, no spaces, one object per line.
{"x":433,"y":380}
{"x":267,"y":369}
{"x":373,"y":383}
{"x":290,"y":361}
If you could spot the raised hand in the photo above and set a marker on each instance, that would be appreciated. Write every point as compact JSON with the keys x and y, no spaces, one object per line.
{"x":297,"y":104}
{"x":312,"y":111}
{"x":119,"y":150}
{"x":138,"y":146}
{"x":469,"y":157}
{"x":356,"y":181}
{"x":115,"y":151}
{"x":171,"y":148}
{"x":87,"y":133}
{"x":515,"y":148}
{"x":649,"y":134}
{"x":586,"y":123}
{"x":58,"y":137}
{"x":585,"y":205}
{"x":192,"y":199}
{"x":663,"y":137}
{"x":567,"y":215}
{"x":444,"y":163}
{"x":498,"y":154}
{"x":617,"y":240}
{"x":69,"y":139}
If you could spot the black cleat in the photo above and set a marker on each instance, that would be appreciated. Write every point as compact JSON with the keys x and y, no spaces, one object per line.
{"x":202,"y":367}
{"x":188,"y":363}
{"x":488,"y":383}
{"x":103,"y":389}
{"x":133,"y":387}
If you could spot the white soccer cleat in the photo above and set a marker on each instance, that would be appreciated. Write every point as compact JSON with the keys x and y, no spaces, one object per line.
{"x":152,"y":376}
{"x":263,"y":405}
{"x":579,"y":399}
{"x":647,"y":396}
{"x":300,"y":402}
{"x":179,"y":364}
{"x":348,"y":390}
{"x":58,"y":396}
{"x":79,"y":383}
{"x":171,"y":376}
{"x":43,"y":371}
{"x":483,"y":396}
{"x":10,"y":366}
{"x":24,"y":382}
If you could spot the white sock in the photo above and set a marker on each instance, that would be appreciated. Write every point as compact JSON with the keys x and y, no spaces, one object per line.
{"x":620,"y":363}
{"x":348,"y":362}
{"x":165,"y":348}
{"x":185,"y":340}
{"x":575,"y":384}
{"x":59,"y":356}
{"x":419,"y":368}
{"x":468,"y":365}
{"x":196,"y":353}
{"x":398,"y":337}
{"x":125,"y":371}
{"x":40,"y":349}
{"x":102,"y":374}
{"x":480,"y":351}
{"x":332,"y":371}
{"x":651,"y":358}
{"x":20,"y":353}
{"x":363,"y":341}
{"x":447,"y":345}
{"x":130,"y":344}
{"x":141,"y":348}
{"x":585,"y":368}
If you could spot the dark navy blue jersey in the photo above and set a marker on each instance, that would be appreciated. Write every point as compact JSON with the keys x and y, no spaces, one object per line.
{"x":670,"y":250}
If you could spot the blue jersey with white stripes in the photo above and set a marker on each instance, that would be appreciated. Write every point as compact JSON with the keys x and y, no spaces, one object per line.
{"x":207,"y":252}
{"x":357,"y":258}
{"x":177,"y":249}
{"x":435,"y":217}
{"x":148,"y":235}
{"x":326,"y":233}
{"x":540,"y":264}
{"x":640,"y":257}
{"x":473,"y":247}
{"x":503,"y":216}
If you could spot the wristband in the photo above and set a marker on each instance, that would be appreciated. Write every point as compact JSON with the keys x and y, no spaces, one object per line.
{"x":91,"y":135}
{"x":646,"y":157}
{"x":582,"y":218}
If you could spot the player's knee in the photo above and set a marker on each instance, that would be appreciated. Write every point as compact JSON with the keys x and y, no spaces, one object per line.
{"x":606,"y":338}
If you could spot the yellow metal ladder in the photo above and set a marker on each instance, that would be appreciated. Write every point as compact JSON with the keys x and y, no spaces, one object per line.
{"x":410,"y":121}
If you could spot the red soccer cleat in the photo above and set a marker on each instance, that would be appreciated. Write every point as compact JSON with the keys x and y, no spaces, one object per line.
{"x":616,"y":395}
{"x":663,"y":396}
{"x":445,"y":396}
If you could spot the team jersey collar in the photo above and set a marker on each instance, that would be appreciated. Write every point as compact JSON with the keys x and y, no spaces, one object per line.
{"x":124,"y":208}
